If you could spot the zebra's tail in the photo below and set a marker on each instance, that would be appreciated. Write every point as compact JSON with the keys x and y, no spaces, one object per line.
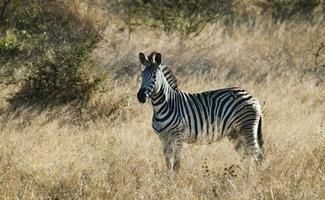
{"x":259,"y":134}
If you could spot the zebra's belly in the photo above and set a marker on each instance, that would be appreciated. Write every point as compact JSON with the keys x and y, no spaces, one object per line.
{"x":189,"y":136}
{"x":202,"y":137}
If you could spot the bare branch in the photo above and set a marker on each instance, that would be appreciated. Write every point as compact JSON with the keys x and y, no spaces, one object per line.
{"x":318,"y":53}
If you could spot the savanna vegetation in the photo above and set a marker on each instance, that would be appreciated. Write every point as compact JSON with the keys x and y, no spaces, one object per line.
{"x":71,"y":126}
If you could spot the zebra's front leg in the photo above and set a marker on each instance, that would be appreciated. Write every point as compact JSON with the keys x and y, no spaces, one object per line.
{"x":177,"y":144}
{"x":167,"y":151}
{"x":172,"y":147}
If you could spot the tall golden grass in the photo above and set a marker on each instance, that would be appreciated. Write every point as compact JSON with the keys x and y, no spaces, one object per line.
{"x":119,"y":157}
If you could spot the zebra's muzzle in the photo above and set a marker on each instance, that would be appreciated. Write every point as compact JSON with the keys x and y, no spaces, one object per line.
{"x":142,"y":96}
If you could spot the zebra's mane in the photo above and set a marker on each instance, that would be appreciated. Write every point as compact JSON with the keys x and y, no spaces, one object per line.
{"x":170,"y":77}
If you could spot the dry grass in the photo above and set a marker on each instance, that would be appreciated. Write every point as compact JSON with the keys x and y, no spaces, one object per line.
{"x":120,"y":157}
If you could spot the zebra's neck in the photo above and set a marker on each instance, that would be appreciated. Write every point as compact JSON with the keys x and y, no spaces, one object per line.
{"x":162,"y":100}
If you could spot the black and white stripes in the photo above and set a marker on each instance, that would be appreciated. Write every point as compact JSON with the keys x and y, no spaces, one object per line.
{"x":198,"y":118}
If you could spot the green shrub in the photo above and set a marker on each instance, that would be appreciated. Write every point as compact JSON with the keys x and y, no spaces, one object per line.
{"x":189,"y":17}
{"x":66,"y":77}
{"x":9,"y":48}
{"x":180,"y":16}
{"x":59,"y":42}
{"x":10,"y":52}
{"x":287,"y":9}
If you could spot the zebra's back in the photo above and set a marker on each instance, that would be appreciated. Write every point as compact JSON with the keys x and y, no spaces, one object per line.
{"x":211,"y":115}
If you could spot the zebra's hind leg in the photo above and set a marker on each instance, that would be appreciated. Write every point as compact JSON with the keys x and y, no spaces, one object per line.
{"x":251,"y":144}
{"x":246,"y":143}
{"x":236,"y":137}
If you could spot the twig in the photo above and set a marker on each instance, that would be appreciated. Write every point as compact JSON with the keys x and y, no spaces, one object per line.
{"x":272,"y":195}
{"x":317,"y":54}
{"x":233,"y":185}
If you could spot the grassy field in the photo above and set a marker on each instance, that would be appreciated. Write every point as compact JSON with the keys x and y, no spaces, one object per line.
{"x":45,"y":155}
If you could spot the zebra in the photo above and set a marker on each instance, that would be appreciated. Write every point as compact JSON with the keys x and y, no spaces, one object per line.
{"x":201,"y":118}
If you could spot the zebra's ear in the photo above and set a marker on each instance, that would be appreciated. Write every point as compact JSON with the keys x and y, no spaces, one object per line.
{"x":143,"y":59}
{"x":157,"y":59}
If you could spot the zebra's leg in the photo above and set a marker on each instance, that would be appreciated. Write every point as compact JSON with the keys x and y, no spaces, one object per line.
{"x":235,"y":138}
{"x":249,"y":133}
{"x":167,"y":150}
{"x":177,"y":144}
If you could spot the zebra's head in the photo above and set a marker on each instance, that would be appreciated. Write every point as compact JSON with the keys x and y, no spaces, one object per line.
{"x":150,"y":83}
